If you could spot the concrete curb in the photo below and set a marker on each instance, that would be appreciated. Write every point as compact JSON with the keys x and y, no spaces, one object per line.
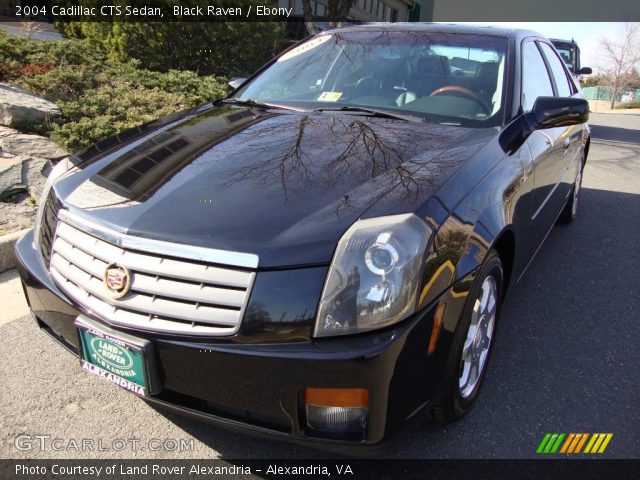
{"x":7,"y":245}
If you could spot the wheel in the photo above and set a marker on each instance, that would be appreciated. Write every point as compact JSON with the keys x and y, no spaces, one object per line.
{"x":570,"y":209}
{"x":472,"y":344}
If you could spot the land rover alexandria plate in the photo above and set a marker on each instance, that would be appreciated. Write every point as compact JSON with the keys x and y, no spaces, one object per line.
{"x":119,"y":358}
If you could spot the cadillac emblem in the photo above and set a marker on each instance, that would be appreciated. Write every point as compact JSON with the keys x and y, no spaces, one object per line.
{"x":117,"y":280}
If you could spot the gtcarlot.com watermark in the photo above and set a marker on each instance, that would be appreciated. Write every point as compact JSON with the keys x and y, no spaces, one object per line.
{"x":46,"y":443}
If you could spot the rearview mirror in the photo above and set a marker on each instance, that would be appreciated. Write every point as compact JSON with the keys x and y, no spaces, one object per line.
{"x":547,"y":112}
{"x":235,"y":82}
{"x":585,"y":71}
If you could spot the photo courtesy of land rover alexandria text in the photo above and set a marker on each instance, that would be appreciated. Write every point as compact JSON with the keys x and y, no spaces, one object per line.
{"x":322,"y":255}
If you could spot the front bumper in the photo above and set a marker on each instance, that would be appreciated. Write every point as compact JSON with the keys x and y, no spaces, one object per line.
{"x":257,"y":387}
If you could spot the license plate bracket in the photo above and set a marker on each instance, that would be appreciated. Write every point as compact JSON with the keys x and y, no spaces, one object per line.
{"x":122,"y":359}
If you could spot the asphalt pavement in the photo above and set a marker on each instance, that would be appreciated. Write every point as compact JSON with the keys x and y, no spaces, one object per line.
{"x":566,"y":355}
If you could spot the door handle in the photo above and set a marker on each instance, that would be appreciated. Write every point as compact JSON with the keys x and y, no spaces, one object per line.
{"x":566,"y":143}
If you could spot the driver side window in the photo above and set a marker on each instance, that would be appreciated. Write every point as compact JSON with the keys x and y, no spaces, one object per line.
{"x":535,"y":77}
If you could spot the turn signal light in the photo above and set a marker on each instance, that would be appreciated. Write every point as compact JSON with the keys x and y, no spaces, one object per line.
{"x":337,"y":410}
{"x":435,"y":331}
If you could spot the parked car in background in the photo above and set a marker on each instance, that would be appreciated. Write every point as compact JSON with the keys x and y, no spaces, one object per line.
{"x":321,"y":256}
{"x":628,"y":96}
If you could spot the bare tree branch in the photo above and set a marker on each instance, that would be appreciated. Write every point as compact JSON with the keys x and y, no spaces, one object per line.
{"x":619,"y":60}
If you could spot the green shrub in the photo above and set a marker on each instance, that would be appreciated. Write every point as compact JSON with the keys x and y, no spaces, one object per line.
{"x":217,"y":48}
{"x":62,"y":83}
{"x":98,"y":96}
{"x":194,"y":87}
{"x":120,"y":104}
{"x":17,"y":50}
{"x":110,"y":109}
{"x":633,"y":104}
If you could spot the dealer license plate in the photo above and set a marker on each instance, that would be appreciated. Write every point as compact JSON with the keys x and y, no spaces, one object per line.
{"x":116,"y":357}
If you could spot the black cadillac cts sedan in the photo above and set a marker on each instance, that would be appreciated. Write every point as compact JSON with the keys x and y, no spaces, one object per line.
{"x":322,"y":255}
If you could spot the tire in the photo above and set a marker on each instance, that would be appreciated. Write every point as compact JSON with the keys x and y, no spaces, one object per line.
{"x":458,"y":390}
{"x":570,"y":210}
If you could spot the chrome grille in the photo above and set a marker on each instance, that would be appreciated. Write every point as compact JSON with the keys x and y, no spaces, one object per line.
{"x":48,"y":225}
{"x":167,"y":294}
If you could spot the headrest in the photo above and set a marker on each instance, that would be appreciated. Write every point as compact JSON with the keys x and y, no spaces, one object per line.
{"x":487,"y":71}
{"x":434,"y":65}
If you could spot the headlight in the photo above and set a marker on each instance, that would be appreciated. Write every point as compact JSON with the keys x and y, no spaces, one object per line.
{"x":374,"y":276}
{"x":56,"y":172}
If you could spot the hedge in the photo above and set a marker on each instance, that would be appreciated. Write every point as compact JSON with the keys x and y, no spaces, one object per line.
{"x":97,"y":96}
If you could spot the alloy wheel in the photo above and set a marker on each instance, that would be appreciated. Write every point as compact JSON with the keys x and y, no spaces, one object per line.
{"x":479,"y":337}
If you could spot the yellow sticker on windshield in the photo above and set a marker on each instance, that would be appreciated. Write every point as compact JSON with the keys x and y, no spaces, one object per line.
{"x":329,"y":96}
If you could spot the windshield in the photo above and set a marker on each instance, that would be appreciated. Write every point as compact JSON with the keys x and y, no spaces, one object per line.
{"x":452,"y":78}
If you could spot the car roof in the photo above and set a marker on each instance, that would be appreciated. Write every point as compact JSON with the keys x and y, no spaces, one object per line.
{"x":560,"y":40}
{"x":443,"y":28}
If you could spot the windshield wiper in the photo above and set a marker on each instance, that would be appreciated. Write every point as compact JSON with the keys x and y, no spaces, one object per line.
{"x":374,"y":112}
{"x":250,"y":102}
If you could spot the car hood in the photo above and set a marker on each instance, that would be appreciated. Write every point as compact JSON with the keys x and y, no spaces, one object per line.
{"x":282,"y":185}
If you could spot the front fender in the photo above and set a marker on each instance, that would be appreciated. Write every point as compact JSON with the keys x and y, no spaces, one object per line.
{"x":498,"y":203}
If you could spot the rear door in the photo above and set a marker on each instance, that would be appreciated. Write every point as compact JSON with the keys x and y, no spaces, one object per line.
{"x":543,"y":144}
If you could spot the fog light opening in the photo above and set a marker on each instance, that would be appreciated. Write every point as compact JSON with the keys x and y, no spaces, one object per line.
{"x":338,"y":411}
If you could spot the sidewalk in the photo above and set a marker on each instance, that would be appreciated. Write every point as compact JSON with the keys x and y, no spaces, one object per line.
{"x":604,"y":106}
{"x":14,"y":306}
{"x":623,"y":111}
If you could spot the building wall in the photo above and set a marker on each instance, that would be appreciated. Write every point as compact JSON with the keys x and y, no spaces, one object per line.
{"x":363,"y":10}
{"x":422,"y":12}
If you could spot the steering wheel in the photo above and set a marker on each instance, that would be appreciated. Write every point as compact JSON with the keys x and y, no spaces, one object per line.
{"x":466,"y":92}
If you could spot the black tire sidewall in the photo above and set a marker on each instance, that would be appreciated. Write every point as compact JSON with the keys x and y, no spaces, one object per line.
{"x":567,"y":216}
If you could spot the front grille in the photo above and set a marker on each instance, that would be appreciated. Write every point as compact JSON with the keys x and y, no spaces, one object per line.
{"x":48,"y":225}
{"x":167,"y":294}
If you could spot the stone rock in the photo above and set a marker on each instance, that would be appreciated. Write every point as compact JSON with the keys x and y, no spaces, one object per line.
{"x":11,"y":181}
{"x":6,"y":132}
{"x":23,"y":174}
{"x":32,"y":145}
{"x":19,"y":108}
{"x":16,"y":216}
{"x":34,"y":174}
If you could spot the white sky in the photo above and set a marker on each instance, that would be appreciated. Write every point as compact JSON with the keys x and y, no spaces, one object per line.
{"x":585,"y":33}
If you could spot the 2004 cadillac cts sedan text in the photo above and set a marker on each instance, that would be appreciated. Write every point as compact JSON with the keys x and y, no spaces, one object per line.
{"x":322,"y":255}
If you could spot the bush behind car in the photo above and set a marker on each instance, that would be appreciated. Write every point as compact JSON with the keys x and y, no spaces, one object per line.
{"x":98,"y":97}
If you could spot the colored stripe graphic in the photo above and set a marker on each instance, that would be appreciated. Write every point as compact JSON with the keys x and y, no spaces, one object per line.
{"x":543,"y":443}
{"x":550,"y":443}
{"x":582,"y":442}
{"x":556,"y":445}
{"x":604,"y":445}
{"x":574,"y":443}
{"x":598,"y":442}
{"x":567,"y":443}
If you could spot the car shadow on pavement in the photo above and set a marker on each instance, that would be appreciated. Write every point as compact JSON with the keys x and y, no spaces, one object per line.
{"x":617,"y":134}
{"x":567,"y":331}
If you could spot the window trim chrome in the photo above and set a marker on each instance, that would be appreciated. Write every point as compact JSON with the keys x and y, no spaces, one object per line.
{"x":170,"y":249}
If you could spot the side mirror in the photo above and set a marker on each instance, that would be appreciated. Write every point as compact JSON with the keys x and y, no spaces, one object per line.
{"x":235,"y":82}
{"x":547,"y":112}
{"x":585,"y":71}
